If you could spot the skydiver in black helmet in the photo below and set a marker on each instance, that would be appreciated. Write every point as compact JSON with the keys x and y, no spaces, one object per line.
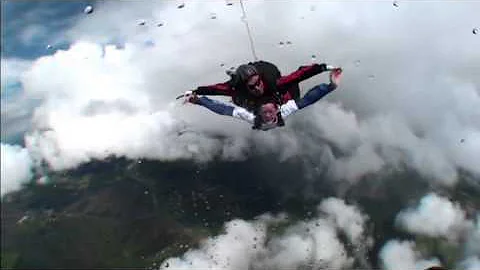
{"x":270,"y":114}
{"x":259,"y":82}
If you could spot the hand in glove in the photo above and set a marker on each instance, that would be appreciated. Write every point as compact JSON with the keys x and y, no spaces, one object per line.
{"x":188,"y":96}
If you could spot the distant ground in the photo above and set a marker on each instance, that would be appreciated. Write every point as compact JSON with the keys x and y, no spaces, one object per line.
{"x":123,"y":213}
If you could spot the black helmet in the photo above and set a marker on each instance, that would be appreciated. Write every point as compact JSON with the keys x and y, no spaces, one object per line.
{"x":244,"y":72}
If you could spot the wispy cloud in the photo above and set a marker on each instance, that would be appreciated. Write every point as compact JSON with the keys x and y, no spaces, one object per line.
{"x":16,"y":167}
{"x":16,"y":108}
{"x":29,"y":27}
{"x":11,"y":72}
{"x":471,"y":263}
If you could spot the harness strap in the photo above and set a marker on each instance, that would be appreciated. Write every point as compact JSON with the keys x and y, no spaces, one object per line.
{"x":244,"y":18}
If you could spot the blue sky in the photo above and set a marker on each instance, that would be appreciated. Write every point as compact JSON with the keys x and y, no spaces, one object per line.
{"x":27,"y":28}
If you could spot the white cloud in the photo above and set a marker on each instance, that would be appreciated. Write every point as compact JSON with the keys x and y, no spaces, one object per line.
{"x":11,"y":72}
{"x":471,"y":263}
{"x":246,"y":244}
{"x":435,"y":216}
{"x":371,"y":144}
{"x":16,"y":108}
{"x":346,"y":217}
{"x":313,"y":244}
{"x":415,"y":110}
{"x":401,"y":255}
{"x":232,"y":250}
{"x":16,"y":167}
{"x":472,"y":247}
{"x":102,"y":109}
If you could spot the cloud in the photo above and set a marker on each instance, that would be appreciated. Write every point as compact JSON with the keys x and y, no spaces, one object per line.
{"x":400,"y":255}
{"x":401,"y":104}
{"x":29,"y":27}
{"x":102,"y":109}
{"x":16,"y":167}
{"x":472,"y":247}
{"x":254,"y":244}
{"x":438,"y":217}
{"x":232,"y":250}
{"x":347,"y":217}
{"x":471,"y":263}
{"x":371,"y":144}
{"x":16,"y":108}
{"x":313,"y":244}
{"x":432,"y":208}
{"x":11,"y":72}
{"x":435,"y":216}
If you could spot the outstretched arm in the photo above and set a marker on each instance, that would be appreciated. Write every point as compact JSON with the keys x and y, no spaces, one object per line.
{"x":312,"y":96}
{"x":319,"y":91}
{"x":215,"y":106}
{"x":315,"y":94}
{"x":303,"y":73}
{"x":224,"y":109}
{"x":223,"y":89}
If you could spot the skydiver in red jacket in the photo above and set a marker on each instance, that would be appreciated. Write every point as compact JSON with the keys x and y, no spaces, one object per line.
{"x":259,"y":82}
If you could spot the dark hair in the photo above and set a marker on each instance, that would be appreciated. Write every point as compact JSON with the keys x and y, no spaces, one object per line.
{"x":244,"y":72}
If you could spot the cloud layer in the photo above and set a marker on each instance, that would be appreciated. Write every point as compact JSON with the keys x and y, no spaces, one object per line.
{"x":275,"y":242}
{"x":410,"y":95}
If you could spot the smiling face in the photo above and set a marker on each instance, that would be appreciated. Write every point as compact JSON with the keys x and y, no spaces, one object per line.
{"x":255,"y":85}
{"x":268,"y":112}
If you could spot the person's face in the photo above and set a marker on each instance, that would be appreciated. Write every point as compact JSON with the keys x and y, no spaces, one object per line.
{"x":255,"y":85}
{"x":269,"y":113}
